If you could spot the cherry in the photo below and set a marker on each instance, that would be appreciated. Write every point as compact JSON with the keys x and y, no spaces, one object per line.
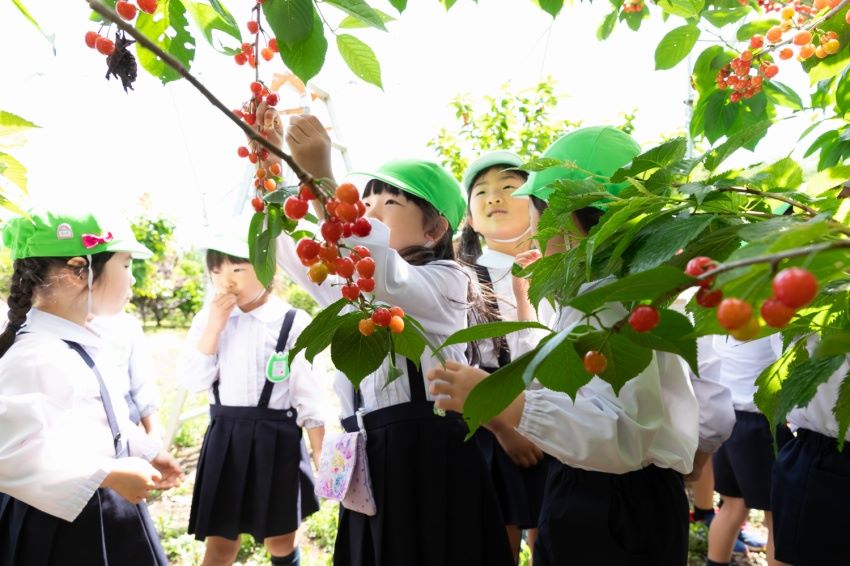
{"x":253,"y":27}
{"x":307,"y":249}
{"x":350,"y":291}
{"x":748,"y":331}
{"x":240,"y":58}
{"x":733,"y":313}
{"x":258,"y":204}
{"x":328,"y":252}
{"x":270,"y":185}
{"x":104,"y":46}
{"x":699,"y":265}
{"x":803,"y":37}
{"x":832,"y":46}
{"x":361,"y":252}
{"x":272,"y":99}
{"x":366,"y":327}
{"x":361,"y":228}
{"x":709,"y":299}
{"x":366,"y":284}
{"x":397,"y":311}
{"x":771,"y":70}
{"x":295,"y":208}
{"x":366,"y":267}
{"x":382,"y":316}
{"x":344,"y":267}
{"x":756,"y":42}
{"x":775,"y":313}
{"x":361,"y":208}
{"x":305,"y":193}
{"x":148,"y":6}
{"x":644,"y":318}
{"x":346,"y":211}
{"x":796,"y":287}
{"x":774,"y":34}
{"x":788,"y":12}
{"x":250,"y":119}
{"x":125,"y":10}
{"x":396,"y":325}
{"x":595,"y":362}
{"x":256,"y":88}
{"x":267,"y":54}
{"x":331,"y":231}
{"x":347,"y":192}
{"x":253,"y":158}
{"x":275,"y":170}
{"x":807,"y":51}
{"x":346,"y":229}
{"x":330,"y":206}
{"x":786,"y":53}
{"x":318,"y":272}
{"x":273,"y":45}
{"x":91,"y":38}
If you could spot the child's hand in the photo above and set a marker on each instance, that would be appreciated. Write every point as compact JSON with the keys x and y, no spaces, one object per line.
{"x":520,"y":284}
{"x":132,"y":479}
{"x":169,"y":468}
{"x":220,"y":308}
{"x":453,"y":384}
{"x":521,"y":451}
{"x":310,"y":145}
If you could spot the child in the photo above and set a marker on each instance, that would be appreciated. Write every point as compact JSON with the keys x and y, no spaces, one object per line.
{"x":435,"y":502}
{"x":616,"y":496}
{"x":76,"y":486}
{"x":254,"y":473}
{"x":517,"y":466}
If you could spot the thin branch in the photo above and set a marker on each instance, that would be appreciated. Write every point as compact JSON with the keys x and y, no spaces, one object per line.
{"x":810,"y":26}
{"x":113,"y":17}
{"x":777,"y":257}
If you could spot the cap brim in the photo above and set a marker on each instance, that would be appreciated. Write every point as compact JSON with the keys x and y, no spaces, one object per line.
{"x":230,"y":247}
{"x":135,"y":249}
{"x":489,"y":160}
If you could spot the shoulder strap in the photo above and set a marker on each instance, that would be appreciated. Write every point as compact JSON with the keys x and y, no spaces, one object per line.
{"x":282,"y":339}
{"x":120,"y":448}
{"x":503,"y":351}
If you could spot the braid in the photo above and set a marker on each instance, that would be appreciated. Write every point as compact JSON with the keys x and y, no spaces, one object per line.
{"x":29,"y":273}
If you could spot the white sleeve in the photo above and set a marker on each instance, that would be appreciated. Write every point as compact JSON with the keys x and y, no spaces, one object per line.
{"x":142,"y":377}
{"x":716,"y":411}
{"x":306,"y":388}
{"x":197,"y":371}
{"x":46,"y":459}
{"x":287,"y":260}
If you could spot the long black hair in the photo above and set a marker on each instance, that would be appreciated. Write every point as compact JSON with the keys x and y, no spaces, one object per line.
{"x":30,"y":274}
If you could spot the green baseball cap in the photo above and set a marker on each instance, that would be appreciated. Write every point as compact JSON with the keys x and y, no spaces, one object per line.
{"x":486,"y":161}
{"x":597,"y":152}
{"x":53,"y":234}
{"x":428,"y":181}
{"x":229,"y":237}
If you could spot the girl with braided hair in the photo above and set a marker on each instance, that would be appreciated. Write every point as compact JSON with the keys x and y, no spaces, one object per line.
{"x":74,"y":469}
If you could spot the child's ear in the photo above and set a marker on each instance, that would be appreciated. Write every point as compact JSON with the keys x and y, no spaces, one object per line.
{"x":440,"y":227}
{"x":469,"y":221}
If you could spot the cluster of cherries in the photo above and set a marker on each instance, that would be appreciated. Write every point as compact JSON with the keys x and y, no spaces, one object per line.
{"x":632,"y":6}
{"x":744,"y":75}
{"x":126,"y":10}
{"x":793,"y":288}
{"x":267,"y":176}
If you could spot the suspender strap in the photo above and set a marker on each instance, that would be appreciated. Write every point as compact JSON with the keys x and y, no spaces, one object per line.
{"x":282,"y":339}
{"x":484,"y":279}
{"x":120,"y":449}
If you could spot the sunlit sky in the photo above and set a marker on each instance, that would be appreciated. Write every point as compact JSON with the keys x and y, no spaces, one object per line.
{"x":104,"y":148}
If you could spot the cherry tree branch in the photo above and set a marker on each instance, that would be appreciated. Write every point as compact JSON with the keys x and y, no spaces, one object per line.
{"x":777,"y":257}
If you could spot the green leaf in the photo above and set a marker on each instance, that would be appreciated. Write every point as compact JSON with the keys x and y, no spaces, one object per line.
{"x":399,"y":5}
{"x":625,"y":358}
{"x":351,"y":22}
{"x":666,"y":239}
{"x":746,"y":136}
{"x":675,"y":46}
{"x":20,"y":6}
{"x":673,"y":334}
{"x":802,"y":383}
{"x":168,"y":29}
{"x":409,"y":343}
{"x":292,"y":20}
{"x":360,"y":59}
{"x":827,"y":179}
{"x":760,"y":27}
{"x":497,"y":391}
{"x":720,"y":17}
{"x":720,"y":116}
{"x":541,"y":164}
{"x":317,"y":335}
{"x":306,"y":58}
{"x":209,"y":18}
{"x":13,"y":170}
{"x":684,"y":8}
{"x":783,"y":175}
{"x":355,"y":355}
{"x":842,"y":410}
{"x":255,"y":228}
{"x":12,"y":207}
{"x":707,"y":64}
{"x":360,"y":10}
{"x":489,"y":330}
{"x":836,"y":343}
{"x":557,"y":366}
{"x":769,"y":383}
{"x":607,"y":26}
{"x":13,"y":124}
{"x":658,"y":157}
{"x":646,"y":285}
{"x":552,"y":7}
{"x":782,"y":95}
{"x":842,"y":94}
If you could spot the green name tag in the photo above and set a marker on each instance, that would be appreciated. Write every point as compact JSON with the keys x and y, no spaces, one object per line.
{"x":277,"y":369}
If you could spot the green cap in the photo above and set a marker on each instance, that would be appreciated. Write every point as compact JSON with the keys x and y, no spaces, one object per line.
{"x":426,"y":180}
{"x":229,"y":237}
{"x":52,"y":234}
{"x":599,"y":150}
{"x":486,"y":161}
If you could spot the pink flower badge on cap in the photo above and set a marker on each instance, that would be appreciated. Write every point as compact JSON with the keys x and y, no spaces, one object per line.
{"x":90,"y":240}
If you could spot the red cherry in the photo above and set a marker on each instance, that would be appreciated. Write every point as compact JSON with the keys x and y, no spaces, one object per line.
{"x":148,"y":6}
{"x":595,"y":362}
{"x":734,"y":313}
{"x":242,"y":151}
{"x":366,"y":267}
{"x":756,"y":42}
{"x":366,"y":327}
{"x":381,"y":316}
{"x":344,"y":267}
{"x":258,"y":204}
{"x":366,"y":284}
{"x":699,"y":265}
{"x":644,"y":318}
{"x":305,"y":193}
{"x":708,"y":298}
{"x":396,"y":325}
{"x":250,"y":119}
{"x":347,"y":192}
{"x":253,"y":27}
{"x":272,"y":99}
{"x":266,"y":53}
{"x":795,"y":286}
{"x":346,"y":211}
{"x":329,"y":252}
{"x":361,"y":252}
{"x":104,"y":46}
{"x":273,"y":45}
{"x":361,"y":227}
{"x":240,"y":58}
{"x":397,"y":311}
{"x":330,"y":206}
{"x":91,"y":38}
{"x":331,"y":231}
{"x":125,"y":10}
{"x":361,"y":208}
{"x":307,"y":248}
{"x":295,"y":208}
{"x":346,"y":230}
{"x":771,"y":71}
{"x":256,"y":88}
{"x":776,"y":313}
{"x":350,"y":291}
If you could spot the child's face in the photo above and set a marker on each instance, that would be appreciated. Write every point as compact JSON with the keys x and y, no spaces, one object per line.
{"x":402,"y":216}
{"x":113,"y":289}
{"x":238,"y":279}
{"x":493,"y":212}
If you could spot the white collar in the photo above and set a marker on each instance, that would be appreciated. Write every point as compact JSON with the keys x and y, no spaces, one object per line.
{"x":40,"y":321}
{"x":272,"y":310}
{"x":496,"y":260}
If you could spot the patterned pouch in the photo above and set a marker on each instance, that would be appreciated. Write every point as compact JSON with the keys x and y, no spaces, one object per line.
{"x":344,"y":471}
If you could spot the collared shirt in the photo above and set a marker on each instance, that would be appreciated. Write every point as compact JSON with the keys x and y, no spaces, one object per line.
{"x":741,"y":364}
{"x":245,"y":346}
{"x":56,"y":447}
{"x":653,"y":420}
{"x":435,"y":294}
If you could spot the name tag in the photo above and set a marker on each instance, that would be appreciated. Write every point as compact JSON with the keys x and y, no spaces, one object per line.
{"x":277,"y":369}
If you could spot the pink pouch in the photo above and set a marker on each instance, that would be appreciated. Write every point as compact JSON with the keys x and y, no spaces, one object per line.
{"x":344,"y":472}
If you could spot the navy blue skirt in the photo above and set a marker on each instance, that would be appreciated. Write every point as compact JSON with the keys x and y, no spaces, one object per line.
{"x":811,"y":498}
{"x":436,"y":503}
{"x":110,"y":531}
{"x":520,"y":490}
{"x":634,"y":519}
{"x":253,"y":475}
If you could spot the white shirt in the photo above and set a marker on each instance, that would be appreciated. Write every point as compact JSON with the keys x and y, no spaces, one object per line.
{"x":244,"y":348}
{"x":435,"y":294}
{"x":817,"y":415}
{"x":124,"y":337}
{"x":499,"y":265}
{"x":741,"y":364}
{"x":716,"y":413}
{"x":653,"y":420}
{"x":56,"y":447}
